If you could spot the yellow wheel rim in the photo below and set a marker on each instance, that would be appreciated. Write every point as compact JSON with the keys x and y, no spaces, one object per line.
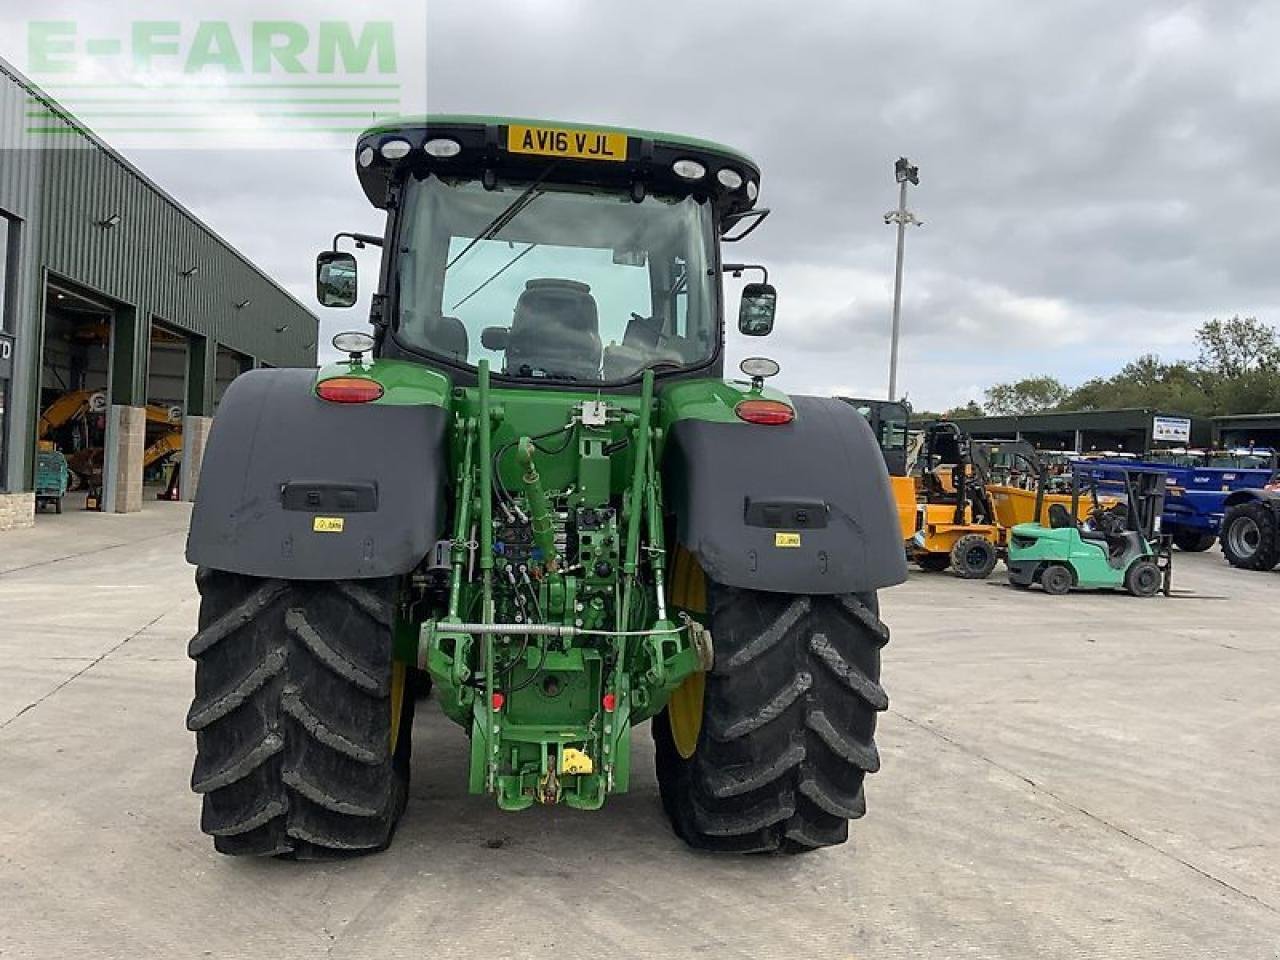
{"x":398,"y":674}
{"x":684,"y":709}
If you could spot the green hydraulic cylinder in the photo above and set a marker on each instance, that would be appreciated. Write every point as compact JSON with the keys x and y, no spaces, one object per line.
{"x":540,"y":516}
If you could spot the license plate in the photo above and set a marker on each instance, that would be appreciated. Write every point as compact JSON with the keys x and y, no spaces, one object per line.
{"x":575,"y":144}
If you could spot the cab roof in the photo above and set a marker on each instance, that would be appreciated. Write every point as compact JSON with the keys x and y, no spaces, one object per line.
{"x":522,"y":148}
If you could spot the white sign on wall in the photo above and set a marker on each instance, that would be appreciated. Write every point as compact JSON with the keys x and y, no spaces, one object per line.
{"x":1171,"y":429}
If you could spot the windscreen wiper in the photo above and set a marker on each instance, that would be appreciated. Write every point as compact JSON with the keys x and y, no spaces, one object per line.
{"x":506,"y":215}
{"x":494,"y":276}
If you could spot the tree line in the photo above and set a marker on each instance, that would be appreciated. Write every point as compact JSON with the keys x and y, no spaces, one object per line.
{"x":1237,"y":370}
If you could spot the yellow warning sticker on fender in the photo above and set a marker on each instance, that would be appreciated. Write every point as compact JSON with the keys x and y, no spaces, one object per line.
{"x":328,"y":524}
{"x":786,"y":539}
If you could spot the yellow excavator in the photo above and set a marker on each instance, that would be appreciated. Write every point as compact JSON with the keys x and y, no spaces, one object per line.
{"x":70,"y":406}
{"x":87,"y":462}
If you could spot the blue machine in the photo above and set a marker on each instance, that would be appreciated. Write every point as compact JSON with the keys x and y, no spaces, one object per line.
{"x":1202,"y":485}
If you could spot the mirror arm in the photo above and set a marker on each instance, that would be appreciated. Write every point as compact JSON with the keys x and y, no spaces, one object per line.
{"x":756,"y":216}
{"x":361,"y":240}
{"x":737,"y":269}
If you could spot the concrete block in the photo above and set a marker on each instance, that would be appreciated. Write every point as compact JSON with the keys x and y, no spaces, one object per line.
{"x":126,"y":444}
{"x":195,"y":438}
{"x":17,"y":510}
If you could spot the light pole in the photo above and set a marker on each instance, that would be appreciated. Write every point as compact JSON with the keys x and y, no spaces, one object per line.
{"x":904,"y":173}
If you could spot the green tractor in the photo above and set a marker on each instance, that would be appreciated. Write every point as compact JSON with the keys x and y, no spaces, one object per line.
{"x":1119,"y":547}
{"x":532,"y":486}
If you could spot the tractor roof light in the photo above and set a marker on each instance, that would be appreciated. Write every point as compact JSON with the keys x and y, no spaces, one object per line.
{"x":349,"y":390}
{"x":767,"y":412}
{"x":729,"y":178}
{"x":753,"y":190}
{"x":442,"y":148}
{"x":688,"y":169}
{"x":395,"y":149}
{"x":365,"y":157}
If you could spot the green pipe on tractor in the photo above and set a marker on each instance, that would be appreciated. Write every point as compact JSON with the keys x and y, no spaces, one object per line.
{"x":531,"y":491}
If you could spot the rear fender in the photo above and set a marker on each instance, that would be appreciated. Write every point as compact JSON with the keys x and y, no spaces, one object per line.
{"x":801,"y":508}
{"x":1245,"y":496}
{"x":296,"y":487}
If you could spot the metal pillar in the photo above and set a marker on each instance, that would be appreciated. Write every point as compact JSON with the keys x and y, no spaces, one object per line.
{"x":905,"y":173}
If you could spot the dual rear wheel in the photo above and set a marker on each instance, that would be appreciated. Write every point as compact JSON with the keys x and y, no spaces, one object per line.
{"x":304,"y":722}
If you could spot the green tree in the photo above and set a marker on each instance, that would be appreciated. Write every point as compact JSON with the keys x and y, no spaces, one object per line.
{"x":1229,"y":349}
{"x":1145,"y":382}
{"x":1029,"y":395}
{"x":969,"y":409}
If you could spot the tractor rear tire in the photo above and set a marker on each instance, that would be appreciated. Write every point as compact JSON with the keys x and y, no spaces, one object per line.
{"x":1249,"y":537}
{"x":293,"y":714}
{"x":973,"y":557}
{"x":1056,"y":580}
{"x":1143,"y":578}
{"x":1193,"y":541}
{"x":933,"y":562}
{"x":788,"y":723}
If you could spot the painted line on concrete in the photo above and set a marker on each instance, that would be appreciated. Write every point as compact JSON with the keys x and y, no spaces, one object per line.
{"x":87,"y":667}
{"x":90,"y":553}
{"x":1039,"y":788}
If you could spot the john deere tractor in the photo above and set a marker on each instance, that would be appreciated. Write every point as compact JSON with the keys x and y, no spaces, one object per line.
{"x":531,"y":485}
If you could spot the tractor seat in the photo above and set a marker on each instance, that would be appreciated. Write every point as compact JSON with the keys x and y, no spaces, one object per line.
{"x":1060,"y":517}
{"x":448,"y":337}
{"x":555,"y":331}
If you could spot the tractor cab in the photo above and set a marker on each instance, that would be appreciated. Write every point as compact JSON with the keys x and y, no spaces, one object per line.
{"x":1119,"y":544}
{"x":557,"y":255}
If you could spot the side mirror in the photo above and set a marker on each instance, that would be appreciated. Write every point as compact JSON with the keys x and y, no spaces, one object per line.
{"x":495,"y":338}
{"x":336,"y":279}
{"x":755,"y":315}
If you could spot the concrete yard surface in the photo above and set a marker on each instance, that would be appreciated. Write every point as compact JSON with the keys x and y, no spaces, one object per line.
{"x":1075,"y":777}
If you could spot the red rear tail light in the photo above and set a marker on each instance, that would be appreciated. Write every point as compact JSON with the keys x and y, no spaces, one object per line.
{"x":349,"y":390}
{"x":772,"y":412}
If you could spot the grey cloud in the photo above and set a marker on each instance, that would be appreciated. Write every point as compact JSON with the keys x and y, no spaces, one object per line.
{"x":1096,"y":177}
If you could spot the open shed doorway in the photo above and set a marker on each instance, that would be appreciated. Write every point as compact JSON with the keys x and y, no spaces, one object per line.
{"x":75,"y":381}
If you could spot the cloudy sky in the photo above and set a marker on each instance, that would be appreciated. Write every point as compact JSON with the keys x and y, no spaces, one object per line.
{"x":1097,"y":178}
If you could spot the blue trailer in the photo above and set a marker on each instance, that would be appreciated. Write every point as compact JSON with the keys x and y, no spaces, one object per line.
{"x":1203,"y":485}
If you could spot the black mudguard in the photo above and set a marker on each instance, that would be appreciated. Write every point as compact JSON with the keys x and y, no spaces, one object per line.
{"x":279,"y":459}
{"x":1247,"y":495}
{"x":744,"y":495}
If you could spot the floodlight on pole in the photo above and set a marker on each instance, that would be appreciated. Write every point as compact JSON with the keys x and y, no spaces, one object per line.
{"x":904,"y":173}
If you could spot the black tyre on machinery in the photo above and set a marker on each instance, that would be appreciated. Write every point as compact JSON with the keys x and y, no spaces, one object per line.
{"x":1249,"y":536}
{"x":788,"y":722}
{"x":296,"y":706}
{"x":973,"y":557}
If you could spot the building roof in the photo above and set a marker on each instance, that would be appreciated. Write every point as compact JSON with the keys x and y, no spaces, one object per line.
{"x":7,"y":69}
{"x":1133,"y":417}
{"x":1248,"y":417}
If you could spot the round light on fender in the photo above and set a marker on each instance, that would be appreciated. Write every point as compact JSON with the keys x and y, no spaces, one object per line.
{"x":768,"y":412}
{"x":349,"y":390}
{"x":688,"y":170}
{"x":729,"y":179}
{"x":442,"y":147}
{"x":352,"y":341}
{"x":396,"y":149}
{"x":759,"y":367}
{"x":365,"y":157}
{"x":753,"y":190}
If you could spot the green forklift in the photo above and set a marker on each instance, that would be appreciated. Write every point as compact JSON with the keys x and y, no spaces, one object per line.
{"x":1119,"y":547}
